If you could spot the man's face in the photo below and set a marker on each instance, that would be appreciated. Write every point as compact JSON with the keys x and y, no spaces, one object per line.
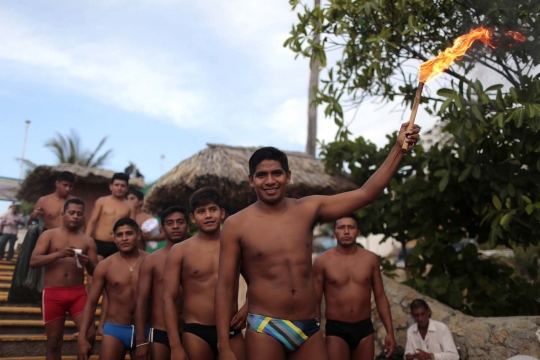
{"x":421,"y":316}
{"x":270,"y":181}
{"x":208,"y":217}
{"x":15,"y":209}
{"x":64,"y":188}
{"x":73,"y":216}
{"x":346,"y":232}
{"x":175,"y":227}
{"x":126,"y":238}
{"x":136,"y":203}
{"x":118,"y":188}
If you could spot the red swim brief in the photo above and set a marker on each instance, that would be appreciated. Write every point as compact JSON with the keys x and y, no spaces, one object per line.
{"x":58,"y":301}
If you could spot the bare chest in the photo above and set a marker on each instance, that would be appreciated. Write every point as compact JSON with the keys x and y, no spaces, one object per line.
{"x":115,"y":210}
{"x":201,"y":265}
{"x":343,"y":273}
{"x":58,"y":243}
{"x":121,"y":280}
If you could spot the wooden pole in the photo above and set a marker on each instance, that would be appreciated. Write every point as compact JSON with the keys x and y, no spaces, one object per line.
{"x":414,"y":111}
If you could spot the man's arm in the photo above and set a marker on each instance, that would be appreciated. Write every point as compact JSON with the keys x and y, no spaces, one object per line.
{"x":318,"y":277}
{"x":96,"y":211}
{"x":92,"y":257}
{"x":38,"y":209}
{"x":172,"y":276}
{"x":334,"y":207}
{"x":383,"y":308}
{"x":410,"y":348}
{"x":144,"y":289}
{"x":229,"y":262}
{"x":98,"y":283}
{"x":40,"y":256}
{"x":448,"y":346}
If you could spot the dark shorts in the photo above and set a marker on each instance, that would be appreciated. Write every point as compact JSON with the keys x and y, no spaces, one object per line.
{"x":158,"y":336}
{"x":352,"y":333}
{"x":208,"y":333}
{"x":106,"y":248}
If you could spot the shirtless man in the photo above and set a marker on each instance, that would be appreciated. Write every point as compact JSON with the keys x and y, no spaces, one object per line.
{"x":273,"y":240}
{"x":118,"y":275}
{"x":194,"y":265}
{"x":150,"y":289}
{"x":136,"y":198}
{"x":51,"y":206}
{"x":346,"y":275}
{"x":64,"y":289}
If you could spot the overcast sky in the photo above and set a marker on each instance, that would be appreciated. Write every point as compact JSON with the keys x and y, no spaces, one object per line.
{"x":160,"y":77}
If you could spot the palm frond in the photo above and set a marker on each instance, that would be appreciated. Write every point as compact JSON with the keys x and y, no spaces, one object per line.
{"x":100,"y":161}
{"x":95,"y":152}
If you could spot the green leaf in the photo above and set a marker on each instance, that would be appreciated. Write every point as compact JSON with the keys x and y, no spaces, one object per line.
{"x":446,"y":92}
{"x":494,"y":87}
{"x":465,"y":173}
{"x":505,"y":220}
{"x":444,"y":182}
{"x":511,"y":190}
{"x":529,"y":209}
{"x":477,"y":114}
{"x":526,"y":199}
{"x":497,"y":202}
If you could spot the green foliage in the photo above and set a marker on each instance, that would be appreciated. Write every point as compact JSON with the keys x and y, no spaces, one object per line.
{"x":483,"y":181}
{"x":26,"y":208}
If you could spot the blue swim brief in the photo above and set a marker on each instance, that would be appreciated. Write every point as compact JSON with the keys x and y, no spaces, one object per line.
{"x":124,"y":333}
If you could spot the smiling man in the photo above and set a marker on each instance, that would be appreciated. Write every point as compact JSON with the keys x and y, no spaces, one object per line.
{"x":272,"y":239}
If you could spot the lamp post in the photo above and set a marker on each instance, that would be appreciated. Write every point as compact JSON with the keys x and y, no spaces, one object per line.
{"x":24,"y":148}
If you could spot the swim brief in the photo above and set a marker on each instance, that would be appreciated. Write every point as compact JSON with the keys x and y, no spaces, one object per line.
{"x":158,"y":336}
{"x":208,"y":333}
{"x":352,"y":333}
{"x":124,"y":333}
{"x":106,"y":248}
{"x":290,"y":333}
{"x":57,"y":301}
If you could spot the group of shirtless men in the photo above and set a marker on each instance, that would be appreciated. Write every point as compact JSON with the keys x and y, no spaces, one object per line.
{"x":180,"y":302}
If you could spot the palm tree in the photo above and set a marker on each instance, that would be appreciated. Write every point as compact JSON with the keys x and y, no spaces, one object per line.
{"x":311,"y":144}
{"x":68,"y":150}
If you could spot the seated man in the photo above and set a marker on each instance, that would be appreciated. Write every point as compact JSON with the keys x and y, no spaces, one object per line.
{"x":118,"y":275}
{"x":428,"y":339}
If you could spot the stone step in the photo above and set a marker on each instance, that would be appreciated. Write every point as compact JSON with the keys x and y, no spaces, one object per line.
{"x":28,"y":327}
{"x":9,"y":267}
{"x":21,"y":346}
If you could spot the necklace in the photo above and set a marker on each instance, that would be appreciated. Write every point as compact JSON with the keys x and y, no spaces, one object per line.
{"x":136,"y":262}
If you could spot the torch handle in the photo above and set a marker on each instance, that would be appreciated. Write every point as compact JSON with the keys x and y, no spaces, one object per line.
{"x":416,"y":104}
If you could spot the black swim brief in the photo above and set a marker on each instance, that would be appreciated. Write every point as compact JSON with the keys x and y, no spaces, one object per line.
{"x":352,"y":333}
{"x":106,"y":248}
{"x":208,"y":333}
{"x":158,"y":336}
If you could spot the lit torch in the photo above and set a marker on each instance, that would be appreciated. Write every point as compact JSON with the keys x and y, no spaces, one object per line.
{"x":438,"y":65}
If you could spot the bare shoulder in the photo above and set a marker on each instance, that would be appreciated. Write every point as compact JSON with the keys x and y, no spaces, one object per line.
{"x":323,"y":258}
{"x":367,"y":256}
{"x":103,"y":265}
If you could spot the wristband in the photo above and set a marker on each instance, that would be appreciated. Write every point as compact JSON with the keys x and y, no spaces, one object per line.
{"x":146,"y":343}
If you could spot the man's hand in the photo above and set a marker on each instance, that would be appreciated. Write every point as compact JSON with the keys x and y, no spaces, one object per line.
{"x":37,"y":211}
{"x":67,"y":252}
{"x":409,"y":137}
{"x":410,"y":356}
{"x":226,"y":354}
{"x":238,"y":321}
{"x":83,"y":348}
{"x":422,"y":355}
{"x":83,"y":259}
{"x":178,"y":354}
{"x":389,"y":345}
{"x":141,"y":351}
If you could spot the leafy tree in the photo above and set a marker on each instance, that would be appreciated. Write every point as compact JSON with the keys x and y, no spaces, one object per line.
{"x":481,"y":184}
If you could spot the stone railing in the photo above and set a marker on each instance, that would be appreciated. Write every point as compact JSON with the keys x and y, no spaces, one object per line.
{"x":477,"y":338}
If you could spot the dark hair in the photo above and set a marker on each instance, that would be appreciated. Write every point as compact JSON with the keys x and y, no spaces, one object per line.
{"x":419,"y":303}
{"x":352,"y":216}
{"x":203,"y":197}
{"x":267,"y":153}
{"x":128,"y":222}
{"x":171,"y":210}
{"x":65,"y":176}
{"x":137,"y":193}
{"x":120,"y":176}
{"x":75,"y":201}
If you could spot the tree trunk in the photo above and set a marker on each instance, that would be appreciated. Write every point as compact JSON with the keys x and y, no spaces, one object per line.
{"x":311,"y":144}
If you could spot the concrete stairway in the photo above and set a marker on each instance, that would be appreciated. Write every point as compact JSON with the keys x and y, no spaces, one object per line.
{"x":22,"y":334}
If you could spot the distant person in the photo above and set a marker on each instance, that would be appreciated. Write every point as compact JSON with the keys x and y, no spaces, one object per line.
{"x":136,"y":198}
{"x":10,"y":229}
{"x":150,"y":289}
{"x":65,"y":252}
{"x":118,"y":275}
{"x":193,"y":264}
{"x":428,"y":338}
{"x":346,"y":275}
{"x":272,"y":241}
{"x":51,"y":206}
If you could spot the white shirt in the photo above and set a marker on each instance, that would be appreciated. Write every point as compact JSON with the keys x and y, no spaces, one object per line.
{"x":438,"y":340}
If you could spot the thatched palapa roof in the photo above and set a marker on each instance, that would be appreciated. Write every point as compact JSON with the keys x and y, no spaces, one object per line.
{"x":226,"y":169}
{"x":41,"y":180}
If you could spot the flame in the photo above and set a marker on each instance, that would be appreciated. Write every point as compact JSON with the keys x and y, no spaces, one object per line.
{"x":436,"y":66}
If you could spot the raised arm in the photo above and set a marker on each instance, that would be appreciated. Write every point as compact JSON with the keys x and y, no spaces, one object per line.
{"x":98,"y":283}
{"x":38,"y":209}
{"x":318,"y":277}
{"x":229,"y":262}
{"x":383,"y":308}
{"x":334,"y":207}
{"x":96,"y":212}
{"x":172,"y":276}
{"x":144,"y":289}
{"x":41,"y":257}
